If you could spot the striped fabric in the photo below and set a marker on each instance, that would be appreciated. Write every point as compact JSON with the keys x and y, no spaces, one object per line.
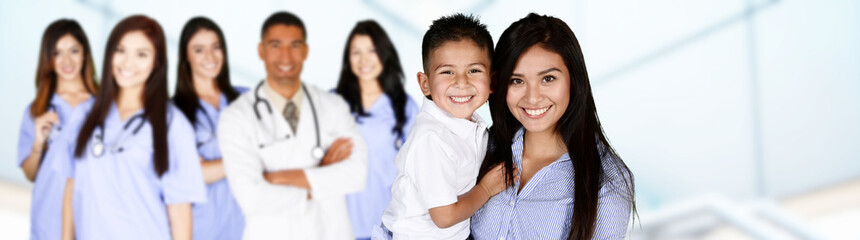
{"x":544,"y":207}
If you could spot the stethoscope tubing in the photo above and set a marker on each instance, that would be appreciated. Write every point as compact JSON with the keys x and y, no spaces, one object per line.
{"x":317,"y":151}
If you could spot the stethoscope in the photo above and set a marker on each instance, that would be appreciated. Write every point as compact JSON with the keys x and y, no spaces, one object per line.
{"x":398,"y":143}
{"x":52,"y":133}
{"x":210,"y":130}
{"x":317,"y":152}
{"x":99,"y":147}
{"x":57,"y":128}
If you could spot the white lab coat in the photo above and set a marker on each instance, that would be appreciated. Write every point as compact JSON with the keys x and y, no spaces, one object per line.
{"x":284,"y":212}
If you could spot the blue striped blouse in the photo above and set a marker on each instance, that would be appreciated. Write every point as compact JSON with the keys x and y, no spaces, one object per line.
{"x":544,"y":207}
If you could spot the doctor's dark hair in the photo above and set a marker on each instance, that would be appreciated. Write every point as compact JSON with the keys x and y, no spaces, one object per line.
{"x":185,"y":97}
{"x":453,"y":28}
{"x":154,"y":94}
{"x":595,"y":162}
{"x":285,"y":18}
{"x":46,"y":77}
{"x":390,"y":80}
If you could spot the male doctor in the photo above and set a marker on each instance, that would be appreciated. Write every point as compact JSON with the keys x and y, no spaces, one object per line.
{"x":274,"y":139}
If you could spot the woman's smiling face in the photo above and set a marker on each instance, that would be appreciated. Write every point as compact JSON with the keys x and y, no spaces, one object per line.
{"x":205,"y":55}
{"x":539,"y":89}
{"x":68,"y":58}
{"x":133,"y":60}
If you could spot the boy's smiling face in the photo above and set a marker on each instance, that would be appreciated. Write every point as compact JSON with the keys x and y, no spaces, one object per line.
{"x":458,"y":77}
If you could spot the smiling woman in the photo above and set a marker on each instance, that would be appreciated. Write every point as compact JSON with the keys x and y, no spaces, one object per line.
{"x":65,"y":82}
{"x":203,"y":89}
{"x":546,"y":124}
{"x":134,"y":178}
{"x":371,"y":82}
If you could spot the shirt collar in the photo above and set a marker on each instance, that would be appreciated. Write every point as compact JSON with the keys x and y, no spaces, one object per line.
{"x":209,"y":109}
{"x":461,"y":127}
{"x":59,"y":106}
{"x":113,"y":115}
{"x":58,"y":101}
{"x":209,"y":112}
{"x":279,"y":102}
{"x":382,"y":105}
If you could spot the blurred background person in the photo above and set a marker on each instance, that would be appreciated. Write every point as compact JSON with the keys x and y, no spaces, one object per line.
{"x":291,"y":151}
{"x":136,"y":171}
{"x":65,"y":82}
{"x":371,"y":82}
{"x":203,"y":89}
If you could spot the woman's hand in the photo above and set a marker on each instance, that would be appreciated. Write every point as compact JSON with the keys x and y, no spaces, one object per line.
{"x":43,"y":125}
{"x":494,"y":181}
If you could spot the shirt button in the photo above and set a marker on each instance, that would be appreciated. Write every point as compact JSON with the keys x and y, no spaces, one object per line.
{"x":501,"y":238}
{"x":513,"y":202}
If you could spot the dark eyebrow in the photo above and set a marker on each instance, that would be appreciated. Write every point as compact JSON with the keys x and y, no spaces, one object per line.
{"x":443,"y":65}
{"x":451,"y":65}
{"x":481,"y":64}
{"x":540,"y":73}
{"x":273,"y":41}
{"x":548,"y":70}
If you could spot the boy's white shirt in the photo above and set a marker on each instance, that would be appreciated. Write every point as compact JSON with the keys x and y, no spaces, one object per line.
{"x":438,"y":162}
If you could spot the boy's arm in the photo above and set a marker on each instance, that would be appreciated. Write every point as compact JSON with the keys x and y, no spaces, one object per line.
{"x":469,"y":203}
{"x":466,"y":206}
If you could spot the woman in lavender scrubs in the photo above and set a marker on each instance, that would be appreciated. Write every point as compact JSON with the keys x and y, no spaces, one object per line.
{"x":65,"y":83}
{"x":371,"y":83}
{"x":203,"y":89}
{"x":136,"y":171}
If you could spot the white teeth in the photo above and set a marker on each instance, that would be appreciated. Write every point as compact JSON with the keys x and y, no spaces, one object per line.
{"x":285,"y":69}
{"x":209,"y":66}
{"x":126,"y":73}
{"x":536,"y":112}
{"x":461,"y":99}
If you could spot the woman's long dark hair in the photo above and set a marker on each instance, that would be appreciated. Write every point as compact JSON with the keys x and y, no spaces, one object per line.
{"x":390,"y":79}
{"x":154,"y":94}
{"x":579,"y":127}
{"x":46,"y":77}
{"x":185,"y":97}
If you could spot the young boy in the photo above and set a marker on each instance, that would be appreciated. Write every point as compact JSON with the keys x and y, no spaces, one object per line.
{"x":435,"y":192}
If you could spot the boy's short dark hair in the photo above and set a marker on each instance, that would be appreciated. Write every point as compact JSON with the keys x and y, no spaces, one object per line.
{"x":285,"y":18}
{"x":455,"y":27}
